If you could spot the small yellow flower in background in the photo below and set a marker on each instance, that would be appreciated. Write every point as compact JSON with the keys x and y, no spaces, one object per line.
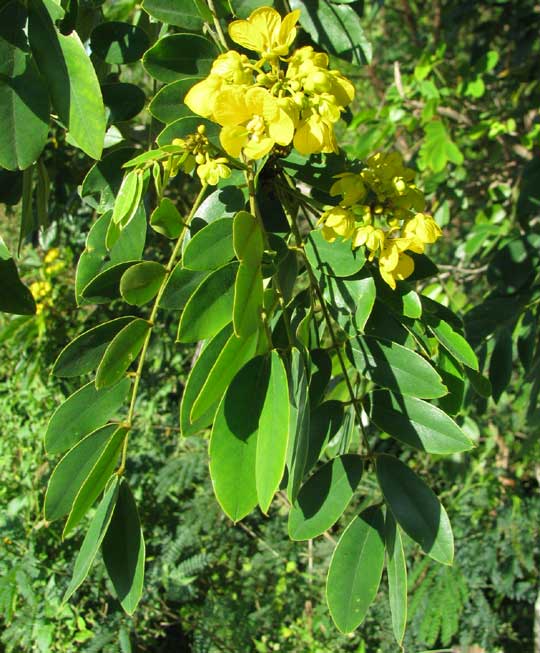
{"x":40,"y":289}
{"x":212,"y":170}
{"x":265,"y":32}
{"x":51,"y":255}
{"x":386,"y":208}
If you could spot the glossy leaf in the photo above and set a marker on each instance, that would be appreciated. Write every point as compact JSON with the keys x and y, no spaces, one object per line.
{"x":454,"y":343}
{"x":247,"y":238}
{"x":24,"y":100}
{"x":121,"y":352}
{"x":181,"y":13}
{"x":297,"y":451}
{"x":365,"y":300}
{"x":71,"y":80}
{"x":118,"y":43}
{"x":166,"y":219}
{"x":273,"y":434}
{"x":83,"y":354}
{"x":180,"y":286}
{"x":71,"y":472}
{"x":210,"y":307}
{"x":416,"y":508}
{"x":234,"y":355}
{"x":211,"y":247}
{"x":500,"y":364}
{"x":336,"y":259}
{"x":96,"y":480}
{"x":16,"y":297}
{"x":140,"y":283}
{"x":233,"y":443}
{"x":418,"y":424}
{"x":128,"y":198}
{"x":106,"y":285}
{"x":169,"y":99}
{"x":395,"y":367}
{"x":197,"y":379}
{"x":124,"y":551}
{"x":355,"y":570}
{"x":248,"y":300}
{"x":82,"y":412}
{"x":94,"y":537}
{"x":396,"y":568}
{"x":102,"y":183}
{"x":325,"y":422}
{"x":177,"y":56}
{"x":324,"y":497}
{"x":124,"y":101}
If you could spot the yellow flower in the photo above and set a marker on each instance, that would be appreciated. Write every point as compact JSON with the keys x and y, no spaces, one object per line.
{"x":51,"y":255}
{"x":421,"y":230}
{"x":265,"y":32}
{"x":253,"y":121}
{"x":337,"y":221}
{"x":372,"y":237}
{"x":350,"y":187}
{"x":315,"y":135}
{"x":40,"y":289}
{"x":394,"y":265}
{"x":213,"y":170}
{"x":228,"y":69}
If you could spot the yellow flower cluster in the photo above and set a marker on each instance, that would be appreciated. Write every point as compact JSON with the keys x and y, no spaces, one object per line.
{"x":195,"y":153}
{"x":41,"y":291}
{"x":275,"y":100}
{"x":382,"y":210}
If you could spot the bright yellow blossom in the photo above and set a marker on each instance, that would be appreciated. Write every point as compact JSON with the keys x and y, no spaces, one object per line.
{"x":350,"y":186}
{"x":253,"y":122}
{"x":212,"y":170}
{"x":337,"y":222}
{"x":265,"y":32}
{"x":51,"y":255}
{"x":394,"y":264}
{"x":421,"y":229}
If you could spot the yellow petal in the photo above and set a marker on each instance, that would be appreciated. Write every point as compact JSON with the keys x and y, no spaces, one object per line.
{"x":309,"y":137}
{"x":257,"y":149}
{"x":230,"y":106}
{"x":282,"y":130}
{"x":287,"y":31}
{"x":233,"y":139}
{"x":255,"y":99}
{"x":201,"y":97}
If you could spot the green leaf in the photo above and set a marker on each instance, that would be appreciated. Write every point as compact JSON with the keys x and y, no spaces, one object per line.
{"x":124,"y":551}
{"x":102,"y":183}
{"x":438,"y":148}
{"x":356,"y":569}
{"x":247,"y":238}
{"x":196,"y":381}
{"x":418,"y":424}
{"x":124,"y":101}
{"x":167,"y":102}
{"x":395,"y":367}
{"x":128,"y":197}
{"x":93,"y":538}
{"x":297,"y":451}
{"x":16,"y":297}
{"x":177,"y":56}
{"x":186,"y":126}
{"x":117,"y":43}
{"x":233,"y":443}
{"x":325,"y":422}
{"x":82,"y":355}
{"x":222,"y":203}
{"x":166,"y":219}
{"x":365,"y":300}
{"x":396,"y":568}
{"x":248,"y":300}
{"x":71,"y":80}
{"x":235,"y":354}
{"x":211,"y":247}
{"x":71,"y":472}
{"x":121,"y":352}
{"x":180,"y":286}
{"x":323,"y":498}
{"x":24,"y":100}
{"x":273,"y":434}
{"x":336,"y":259}
{"x":337,"y":28}
{"x":141,"y":282}
{"x":106,"y":285}
{"x":82,"y":412}
{"x":181,"y":13}
{"x":96,"y":480}
{"x":454,"y":342}
{"x":416,"y":508}
{"x":210,"y":307}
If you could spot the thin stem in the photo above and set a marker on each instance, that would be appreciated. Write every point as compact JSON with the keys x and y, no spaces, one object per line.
{"x":138,"y":373}
{"x":217,"y":24}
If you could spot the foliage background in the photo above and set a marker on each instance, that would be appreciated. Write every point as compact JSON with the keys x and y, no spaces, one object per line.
{"x":476,"y":69}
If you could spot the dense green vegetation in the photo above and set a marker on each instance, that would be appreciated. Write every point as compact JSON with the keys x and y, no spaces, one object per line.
{"x":455,"y":90}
